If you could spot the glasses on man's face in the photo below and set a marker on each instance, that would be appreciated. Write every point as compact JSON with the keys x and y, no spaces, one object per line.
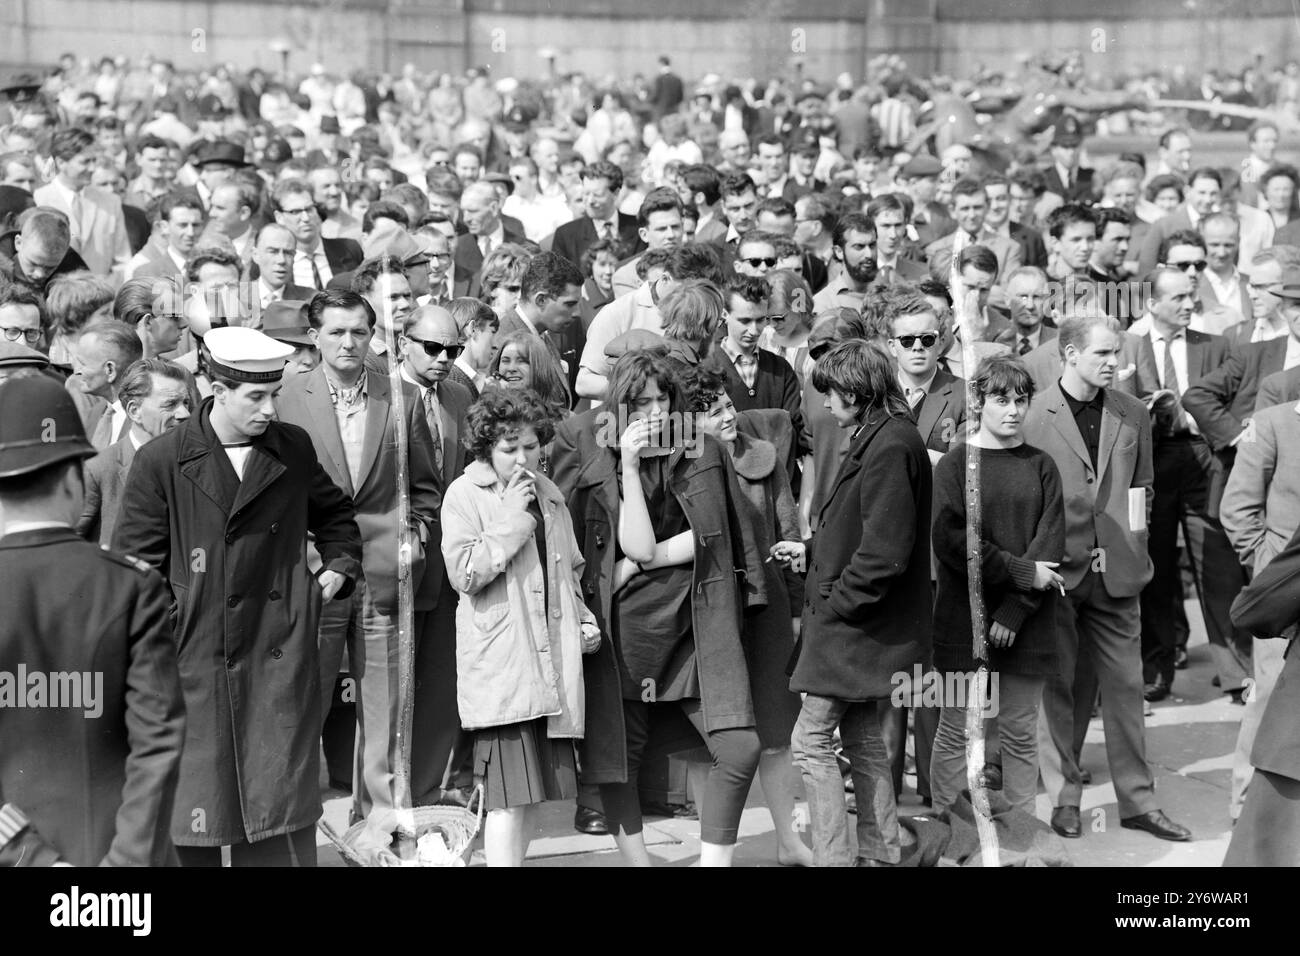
{"x":1191,"y":264}
{"x":928,"y":340}
{"x":438,"y":255}
{"x":434,"y":349}
{"x":755,"y":262}
{"x":32,"y":336}
{"x":301,"y":211}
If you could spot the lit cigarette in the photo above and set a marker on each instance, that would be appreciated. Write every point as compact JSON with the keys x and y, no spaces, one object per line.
{"x":1060,"y":587}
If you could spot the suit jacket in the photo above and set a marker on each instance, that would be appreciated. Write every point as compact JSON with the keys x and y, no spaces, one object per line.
{"x":469,"y":257}
{"x":154,"y":261}
{"x":1098,"y":533}
{"x":1238,"y":335}
{"x":1288,"y":235}
{"x":1149,"y":254}
{"x":1080,"y":191}
{"x":105,"y":481}
{"x":1033,"y":251}
{"x":1205,"y":353}
{"x":99,"y":235}
{"x":665,"y":93}
{"x":1222,"y":401}
{"x":460,"y":378}
{"x":1270,"y":607}
{"x":1044,"y":365}
{"x":99,"y":787}
{"x":1241,"y":304}
{"x":1260,"y":509}
{"x":867,"y":605}
{"x":938,"y":255}
{"x":938,"y":225}
{"x":305,"y":401}
{"x":574,"y":238}
{"x":942,"y":412}
{"x":953,"y":360}
{"x":1280,"y":388}
{"x":343,"y":255}
{"x":1010,"y":337}
{"x":454,"y":400}
{"x":715,"y":230}
{"x":905,"y":271}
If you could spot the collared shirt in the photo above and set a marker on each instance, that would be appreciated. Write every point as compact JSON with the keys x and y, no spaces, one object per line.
{"x":528,"y":323}
{"x":1227,"y":291}
{"x":17,"y":527}
{"x":302,"y":263}
{"x":489,"y":243}
{"x":636,"y":310}
{"x":136,"y":441}
{"x":1087,"y":417}
{"x":607,"y":228}
{"x":746,"y":363}
{"x":1031,"y":339}
{"x":777,"y":189}
{"x":1264,"y":330}
{"x":478,"y":378}
{"x":238,"y":453}
{"x":838,"y":295}
{"x":1067,"y":175}
{"x":432,"y":411}
{"x":265,"y":294}
{"x":1292,"y":358}
{"x":1178,"y":352}
{"x":350,"y":414}
{"x":915,"y":394}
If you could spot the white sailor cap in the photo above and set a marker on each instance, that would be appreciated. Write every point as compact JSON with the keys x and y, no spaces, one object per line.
{"x":246,"y":355}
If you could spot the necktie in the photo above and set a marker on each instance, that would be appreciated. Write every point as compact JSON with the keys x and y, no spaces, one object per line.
{"x":484,"y":246}
{"x":887,"y":275}
{"x":431,"y":413}
{"x":315,"y":273}
{"x":1024,"y":345}
{"x":917,"y":398}
{"x":103,"y":436}
{"x":607,"y":230}
{"x":1170,"y":375}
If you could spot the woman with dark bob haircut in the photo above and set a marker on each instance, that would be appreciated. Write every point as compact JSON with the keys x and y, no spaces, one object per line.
{"x":522,"y":627}
{"x":671,"y":569}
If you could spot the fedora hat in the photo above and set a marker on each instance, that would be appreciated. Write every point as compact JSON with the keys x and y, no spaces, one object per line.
{"x":221,"y":151}
{"x":285,"y":320}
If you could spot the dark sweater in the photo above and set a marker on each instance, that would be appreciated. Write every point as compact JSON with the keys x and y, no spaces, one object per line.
{"x":1023,"y":521}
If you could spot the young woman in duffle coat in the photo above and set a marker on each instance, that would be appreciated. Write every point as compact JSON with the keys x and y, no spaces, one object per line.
{"x":671,"y":570}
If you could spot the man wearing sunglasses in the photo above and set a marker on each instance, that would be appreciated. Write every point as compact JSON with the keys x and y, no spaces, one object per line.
{"x":755,"y":255}
{"x":1185,"y":252}
{"x":429,"y":346}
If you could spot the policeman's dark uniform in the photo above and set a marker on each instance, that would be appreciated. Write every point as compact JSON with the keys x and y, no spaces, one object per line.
{"x":91,"y":712}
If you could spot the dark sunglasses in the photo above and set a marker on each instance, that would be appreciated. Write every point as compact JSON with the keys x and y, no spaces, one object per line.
{"x":755,"y":262}
{"x":820,"y":349}
{"x":928,"y":339}
{"x":1197,"y":264}
{"x":434,"y":349}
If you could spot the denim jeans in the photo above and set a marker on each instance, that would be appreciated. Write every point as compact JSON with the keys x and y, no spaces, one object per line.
{"x":864,"y":746}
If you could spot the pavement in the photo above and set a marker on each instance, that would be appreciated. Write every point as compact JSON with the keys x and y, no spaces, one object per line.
{"x":1190,"y":740}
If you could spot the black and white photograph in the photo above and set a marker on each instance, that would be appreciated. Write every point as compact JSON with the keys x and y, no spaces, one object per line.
{"x":457,"y":434}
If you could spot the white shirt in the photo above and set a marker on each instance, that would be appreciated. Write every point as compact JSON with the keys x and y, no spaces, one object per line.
{"x":1178,"y":348}
{"x":1265,"y":331}
{"x":302,"y":261}
{"x":528,"y":323}
{"x":1035,"y":338}
{"x":489,"y":243}
{"x":238,"y":455}
{"x":117,"y":421}
{"x":611,"y":222}
{"x":1227,"y":291}
{"x":266,"y":295}
{"x":16,"y":527}
{"x":1292,"y":358}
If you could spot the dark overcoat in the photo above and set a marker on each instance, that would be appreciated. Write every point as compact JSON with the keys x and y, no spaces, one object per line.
{"x":728,"y":581}
{"x":867,"y":612}
{"x":235,"y":556}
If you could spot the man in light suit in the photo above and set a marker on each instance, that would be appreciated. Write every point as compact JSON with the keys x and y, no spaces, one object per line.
{"x":429,"y":345}
{"x":969,"y":206}
{"x":1203,"y":190}
{"x":1280,"y":388}
{"x":1028,"y":300}
{"x":1171,"y":358}
{"x":1260,"y":512}
{"x":97,"y":224}
{"x":156,"y":395}
{"x":1101,"y":443}
{"x":348,"y":411}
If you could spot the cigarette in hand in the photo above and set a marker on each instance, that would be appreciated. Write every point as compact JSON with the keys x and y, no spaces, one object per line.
{"x":1060,"y":587}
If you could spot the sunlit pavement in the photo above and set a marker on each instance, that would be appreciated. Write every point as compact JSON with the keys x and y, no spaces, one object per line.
{"x":1190,"y":739}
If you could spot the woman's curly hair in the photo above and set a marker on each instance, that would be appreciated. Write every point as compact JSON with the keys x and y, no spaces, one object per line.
{"x":505,"y":411}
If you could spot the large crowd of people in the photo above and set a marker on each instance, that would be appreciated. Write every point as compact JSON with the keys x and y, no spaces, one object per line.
{"x":436,"y":439}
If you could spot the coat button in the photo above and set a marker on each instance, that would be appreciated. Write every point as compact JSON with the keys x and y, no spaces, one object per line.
{"x":274,"y":595}
{"x":600,"y":541}
{"x":232,"y":601}
{"x":276,"y":653}
{"x":275,"y":526}
{"x":556,"y":614}
{"x":230,"y":539}
{"x":230,"y":663}
{"x":1089,"y":481}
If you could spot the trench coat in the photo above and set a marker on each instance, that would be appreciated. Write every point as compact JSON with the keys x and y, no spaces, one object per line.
{"x":514,"y":661}
{"x":867,"y":609}
{"x":234,"y":554}
{"x":727,"y":583}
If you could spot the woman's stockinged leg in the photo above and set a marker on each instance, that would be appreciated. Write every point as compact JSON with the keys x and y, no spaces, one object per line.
{"x":780,"y":782}
{"x":735,"y":753}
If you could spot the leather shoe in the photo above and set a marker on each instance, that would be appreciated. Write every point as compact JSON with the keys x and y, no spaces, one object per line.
{"x":1180,"y":660}
{"x":1158,"y":825}
{"x":1157,"y":690}
{"x":587,"y":820}
{"x":992,"y":775}
{"x":1065,"y":821}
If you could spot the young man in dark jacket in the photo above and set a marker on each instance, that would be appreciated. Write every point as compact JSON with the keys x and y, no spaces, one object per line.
{"x":867,"y":613}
